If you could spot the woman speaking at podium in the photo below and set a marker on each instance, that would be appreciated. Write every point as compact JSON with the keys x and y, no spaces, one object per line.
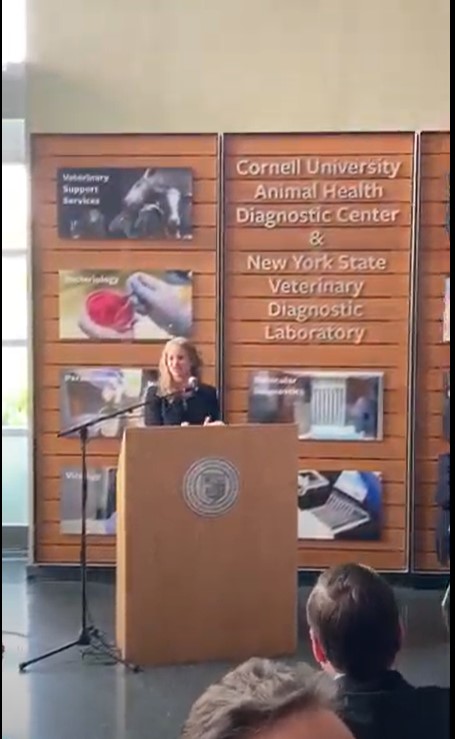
{"x":180,"y":399}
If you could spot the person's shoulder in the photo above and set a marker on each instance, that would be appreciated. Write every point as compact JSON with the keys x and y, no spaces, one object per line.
{"x":208,"y":390}
{"x":434,"y":694}
{"x":393,"y":707}
{"x":431,"y":711}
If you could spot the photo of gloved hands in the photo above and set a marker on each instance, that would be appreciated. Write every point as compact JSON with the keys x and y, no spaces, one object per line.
{"x":116,"y":306}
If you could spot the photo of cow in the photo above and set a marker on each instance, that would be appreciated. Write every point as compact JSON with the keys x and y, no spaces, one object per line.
{"x":122,"y":203}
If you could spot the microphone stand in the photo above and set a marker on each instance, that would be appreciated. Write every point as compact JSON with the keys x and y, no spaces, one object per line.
{"x":89,"y":635}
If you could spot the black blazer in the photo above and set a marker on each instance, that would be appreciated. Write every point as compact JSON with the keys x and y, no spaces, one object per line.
{"x":443,"y":503}
{"x":390,"y":708}
{"x":446,"y":419}
{"x":175,"y":411}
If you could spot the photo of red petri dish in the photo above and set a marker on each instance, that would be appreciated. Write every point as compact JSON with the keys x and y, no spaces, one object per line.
{"x":110,"y":309}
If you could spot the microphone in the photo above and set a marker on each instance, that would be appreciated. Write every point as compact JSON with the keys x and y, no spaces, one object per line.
{"x":188,"y":391}
{"x":192,"y":385}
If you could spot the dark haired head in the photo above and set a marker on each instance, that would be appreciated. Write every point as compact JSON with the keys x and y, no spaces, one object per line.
{"x":354,"y":621}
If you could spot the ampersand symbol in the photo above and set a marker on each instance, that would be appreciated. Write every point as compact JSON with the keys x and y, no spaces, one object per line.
{"x":316,"y":238}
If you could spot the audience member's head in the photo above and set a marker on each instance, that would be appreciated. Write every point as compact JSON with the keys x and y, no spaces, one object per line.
{"x":354,"y":622}
{"x":266,"y":700}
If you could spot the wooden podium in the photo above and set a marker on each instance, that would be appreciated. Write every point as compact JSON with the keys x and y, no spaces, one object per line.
{"x":207,"y":543}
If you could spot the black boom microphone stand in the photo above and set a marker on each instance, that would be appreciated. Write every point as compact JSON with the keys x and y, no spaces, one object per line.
{"x":89,"y":635}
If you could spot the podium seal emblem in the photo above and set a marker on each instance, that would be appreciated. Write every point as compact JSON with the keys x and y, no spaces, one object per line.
{"x":211,"y":487}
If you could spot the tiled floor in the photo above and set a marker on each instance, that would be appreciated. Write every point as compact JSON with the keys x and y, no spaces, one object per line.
{"x":70,"y":698}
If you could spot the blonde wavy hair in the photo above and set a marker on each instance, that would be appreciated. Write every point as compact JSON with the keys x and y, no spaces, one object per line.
{"x":257,"y":695}
{"x":165,"y":382}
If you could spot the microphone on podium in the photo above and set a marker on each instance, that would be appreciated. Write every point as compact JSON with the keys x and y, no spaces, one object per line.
{"x":190,"y":390}
{"x":192,"y":385}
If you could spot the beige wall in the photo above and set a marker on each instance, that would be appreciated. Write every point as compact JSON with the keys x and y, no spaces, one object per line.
{"x":238,"y":65}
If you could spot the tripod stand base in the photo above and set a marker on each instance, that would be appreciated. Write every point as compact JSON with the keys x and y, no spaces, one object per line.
{"x":89,"y":637}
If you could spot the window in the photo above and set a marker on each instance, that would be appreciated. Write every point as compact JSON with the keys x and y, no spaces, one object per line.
{"x":15,"y":329}
{"x":14,"y":207}
{"x":14,"y":387}
{"x":13,"y":31}
{"x":14,"y":298}
{"x":15,"y":480}
{"x":13,"y":142}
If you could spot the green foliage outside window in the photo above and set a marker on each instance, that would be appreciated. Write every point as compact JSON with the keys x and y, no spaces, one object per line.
{"x":15,"y":409}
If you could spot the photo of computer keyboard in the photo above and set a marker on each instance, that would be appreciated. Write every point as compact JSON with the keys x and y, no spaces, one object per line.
{"x":339,"y":504}
{"x":340,"y":514}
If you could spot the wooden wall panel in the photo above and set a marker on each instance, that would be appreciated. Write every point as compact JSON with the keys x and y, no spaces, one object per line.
{"x":373,"y":179}
{"x":433,"y":354}
{"x":51,"y":254}
{"x":251,"y":161}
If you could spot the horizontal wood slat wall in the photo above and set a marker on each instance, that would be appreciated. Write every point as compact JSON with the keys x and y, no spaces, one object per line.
{"x":386,"y":301}
{"x":251,"y":161}
{"x":433,"y":354}
{"x":51,"y":254}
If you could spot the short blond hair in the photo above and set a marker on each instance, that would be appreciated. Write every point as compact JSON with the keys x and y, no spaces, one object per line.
{"x":165,"y":384}
{"x":256,"y":694}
